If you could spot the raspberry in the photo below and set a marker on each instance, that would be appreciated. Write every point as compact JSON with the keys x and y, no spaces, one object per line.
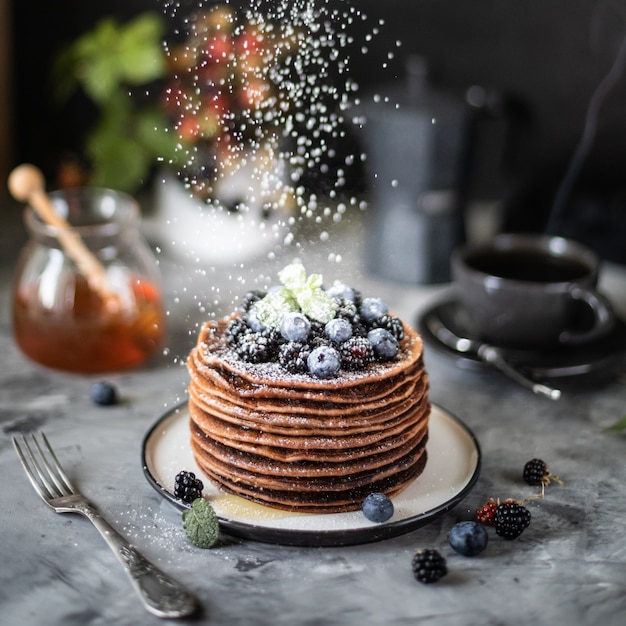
{"x":187,"y":487}
{"x":511,"y":519}
{"x":486,"y":512}
{"x":428,"y":566}
{"x":356,"y":353}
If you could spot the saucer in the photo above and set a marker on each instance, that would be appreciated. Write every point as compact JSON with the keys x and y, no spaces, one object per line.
{"x":605,"y":356}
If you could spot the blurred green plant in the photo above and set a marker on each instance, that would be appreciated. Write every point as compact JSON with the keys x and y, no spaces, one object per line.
{"x":109,"y":63}
{"x":618,"y":426}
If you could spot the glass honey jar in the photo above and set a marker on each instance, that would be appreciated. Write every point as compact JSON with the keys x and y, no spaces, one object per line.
{"x":59,"y":319}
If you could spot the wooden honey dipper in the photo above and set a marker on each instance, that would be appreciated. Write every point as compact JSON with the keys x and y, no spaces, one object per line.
{"x":26,"y":183}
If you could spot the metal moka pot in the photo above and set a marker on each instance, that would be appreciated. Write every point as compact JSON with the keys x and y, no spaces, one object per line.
{"x":418,"y":145}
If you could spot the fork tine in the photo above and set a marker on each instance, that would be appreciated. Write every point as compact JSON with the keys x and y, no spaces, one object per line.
{"x":40,"y":488}
{"x":47,"y":476}
{"x":59,"y":476}
{"x":44,"y":476}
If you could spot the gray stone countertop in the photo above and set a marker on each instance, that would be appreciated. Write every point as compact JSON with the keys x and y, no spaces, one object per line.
{"x":568,"y":567}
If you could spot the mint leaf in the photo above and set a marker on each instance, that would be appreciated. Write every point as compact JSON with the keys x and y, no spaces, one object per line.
{"x":293,"y":276}
{"x":317,"y":304}
{"x":298,"y":294}
{"x":201,"y":524}
{"x":271,"y":309}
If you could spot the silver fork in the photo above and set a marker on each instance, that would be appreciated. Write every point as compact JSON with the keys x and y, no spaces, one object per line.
{"x":160,"y":594}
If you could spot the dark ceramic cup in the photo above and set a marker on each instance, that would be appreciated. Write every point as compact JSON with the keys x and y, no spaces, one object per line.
{"x":531,"y":291}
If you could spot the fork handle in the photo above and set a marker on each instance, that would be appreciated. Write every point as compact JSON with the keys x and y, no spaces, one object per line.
{"x":160,"y":593}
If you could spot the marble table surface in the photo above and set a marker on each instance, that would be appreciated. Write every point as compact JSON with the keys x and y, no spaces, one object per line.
{"x":568,"y":567}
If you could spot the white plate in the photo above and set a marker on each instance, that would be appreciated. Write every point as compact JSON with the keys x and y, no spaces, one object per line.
{"x":451,"y":470}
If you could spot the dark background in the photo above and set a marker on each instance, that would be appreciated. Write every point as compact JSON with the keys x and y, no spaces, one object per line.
{"x":545,"y":57}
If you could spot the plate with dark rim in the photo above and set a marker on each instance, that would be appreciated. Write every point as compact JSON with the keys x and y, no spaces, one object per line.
{"x":602,"y":357}
{"x":450,"y":473}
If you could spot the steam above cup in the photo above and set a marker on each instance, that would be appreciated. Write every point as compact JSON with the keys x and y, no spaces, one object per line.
{"x":531,"y":291}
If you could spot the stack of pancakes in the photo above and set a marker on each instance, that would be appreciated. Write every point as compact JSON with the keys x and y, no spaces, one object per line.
{"x":303,"y":444}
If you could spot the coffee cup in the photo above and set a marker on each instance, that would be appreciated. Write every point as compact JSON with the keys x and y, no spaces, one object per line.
{"x":531,"y":291}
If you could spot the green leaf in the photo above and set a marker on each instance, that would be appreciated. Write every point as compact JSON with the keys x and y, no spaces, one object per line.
{"x":113,"y":55}
{"x":141,"y":58}
{"x":118,"y":159}
{"x":619,"y":426}
{"x":317,"y":304}
{"x":293,"y":276}
{"x":299,"y":294}
{"x":97,"y":61}
{"x":201,"y":524}
{"x":271,"y":309}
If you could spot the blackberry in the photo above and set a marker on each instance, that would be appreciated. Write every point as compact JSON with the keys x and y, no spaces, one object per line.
{"x":257,"y":347}
{"x":356,"y":353}
{"x":486,"y":512}
{"x":293,"y":356}
{"x":235,"y":330}
{"x":319,"y":340}
{"x":511,"y":519}
{"x":347,"y":309}
{"x":251,"y":298}
{"x":392,"y":324}
{"x":536,"y":472}
{"x":187,"y":487}
{"x":317,"y":329}
{"x":428,"y":566}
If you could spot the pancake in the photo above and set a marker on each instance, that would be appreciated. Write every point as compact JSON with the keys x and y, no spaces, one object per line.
{"x":305,"y":444}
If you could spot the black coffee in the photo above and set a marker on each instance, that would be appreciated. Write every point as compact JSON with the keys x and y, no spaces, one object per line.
{"x":528,"y":265}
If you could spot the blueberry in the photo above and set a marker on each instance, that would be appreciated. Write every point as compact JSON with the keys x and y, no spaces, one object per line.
{"x":386,"y":346}
{"x":468,"y":538}
{"x":372,"y":309}
{"x":103,"y":393}
{"x":324,"y":362}
{"x":338,"y":330}
{"x":341,"y":290}
{"x":295,"y":326}
{"x":377,"y":507}
{"x":253,"y":321}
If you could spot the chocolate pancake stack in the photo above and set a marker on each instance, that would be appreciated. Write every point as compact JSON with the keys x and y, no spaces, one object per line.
{"x":295,"y":442}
